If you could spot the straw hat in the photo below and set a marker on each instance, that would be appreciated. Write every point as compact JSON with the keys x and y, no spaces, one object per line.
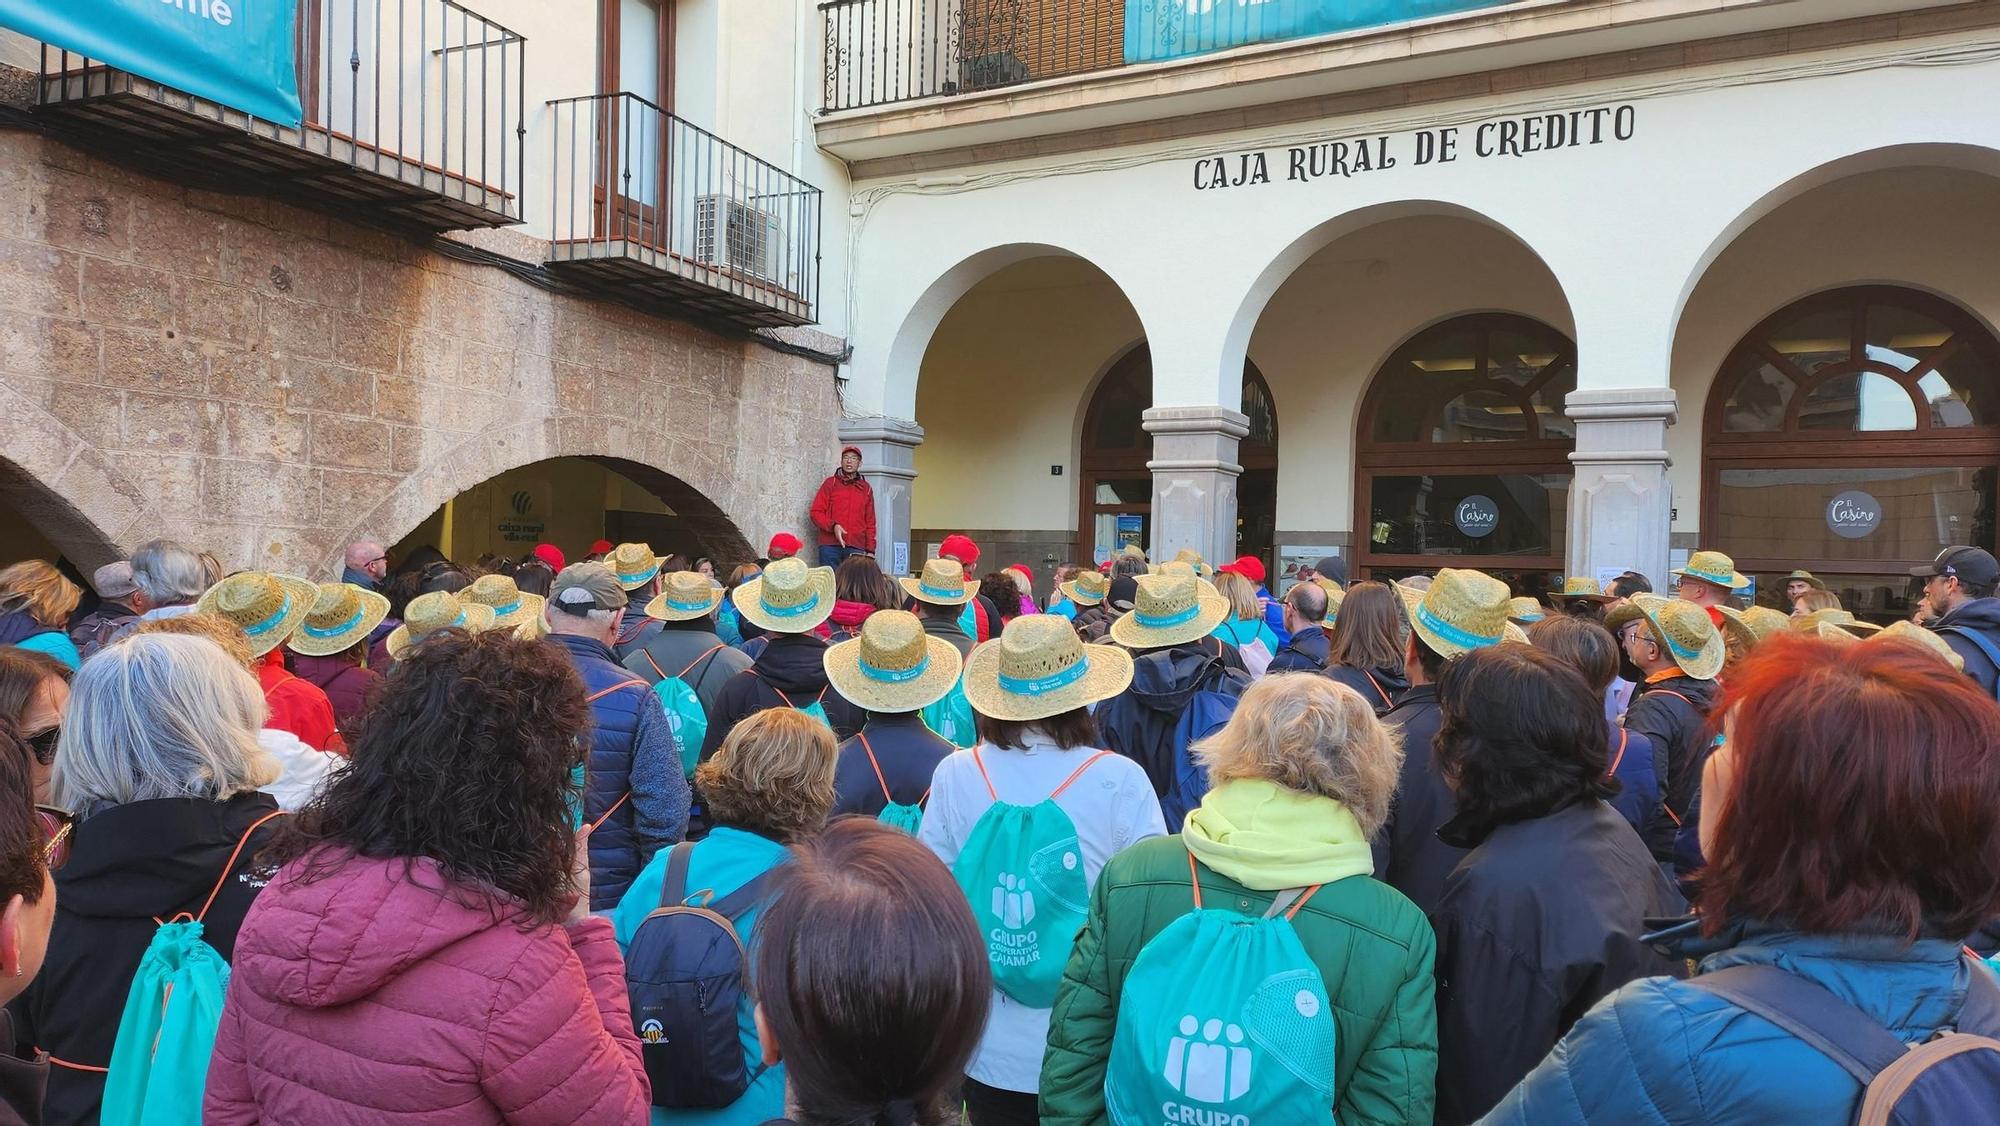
{"x":1754,"y":625}
{"x":1335,"y":595}
{"x":634,"y":564}
{"x":340,"y":618}
{"x":1181,"y":567}
{"x":942,"y":583}
{"x":1134,"y":551}
{"x":264,"y":605}
{"x":1038,"y":667}
{"x":1913,"y":634}
{"x":1839,"y":619}
{"x":1682,"y":628}
{"x":1461,"y":611}
{"x":1187,"y":561}
{"x":439,"y":610}
{"x":534,"y":629}
{"x":1582,"y":590}
{"x":789,"y":597}
{"x":1808,"y":578}
{"x":1088,"y":588}
{"x":893,"y":666}
{"x":1714,"y":568}
{"x":511,"y":606}
{"x":1831,"y":631}
{"x":1170,"y":609}
{"x":686,"y":596}
{"x":1523,"y":610}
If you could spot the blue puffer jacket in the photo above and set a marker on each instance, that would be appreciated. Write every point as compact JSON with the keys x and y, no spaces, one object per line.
{"x":1666,"y":1051}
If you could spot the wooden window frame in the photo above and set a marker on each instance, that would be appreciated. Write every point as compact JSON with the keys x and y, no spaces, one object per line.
{"x":613,"y":214}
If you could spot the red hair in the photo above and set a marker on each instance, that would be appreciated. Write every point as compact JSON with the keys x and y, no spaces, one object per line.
{"x":1865,"y":795}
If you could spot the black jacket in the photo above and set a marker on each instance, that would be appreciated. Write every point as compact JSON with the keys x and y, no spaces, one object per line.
{"x":1541,"y":920}
{"x":1980,"y":616}
{"x":1382,"y":688}
{"x":24,"y":1080}
{"x":1408,"y":854}
{"x":791,"y":669}
{"x":908,"y":753}
{"x":1673,"y":714}
{"x":1139,"y":722}
{"x":130,"y":864}
{"x":1305,"y":652}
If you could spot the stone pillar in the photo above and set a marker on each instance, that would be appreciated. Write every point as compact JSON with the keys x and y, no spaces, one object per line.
{"x":1194,"y":479}
{"x":888,"y":461}
{"x":1621,"y":505}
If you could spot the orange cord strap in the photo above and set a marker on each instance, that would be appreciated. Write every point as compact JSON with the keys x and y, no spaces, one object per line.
{"x":1194,"y":877}
{"x":231,"y":865}
{"x":596,"y":696}
{"x":76,"y":1066}
{"x":1624,"y":737}
{"x":870,"y":752}
{"x":981,"y":764}
{"x":1078,"y":773}
{"x":622,"y":799}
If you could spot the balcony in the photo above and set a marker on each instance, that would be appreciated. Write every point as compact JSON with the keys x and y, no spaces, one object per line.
{"x":413,"y":116}
{"x":653,"y":210}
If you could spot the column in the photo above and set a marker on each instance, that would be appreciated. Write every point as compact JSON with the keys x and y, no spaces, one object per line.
{"x":1621,"y":504}
{"x":888,"y":461}
{"x":1194,"y":479}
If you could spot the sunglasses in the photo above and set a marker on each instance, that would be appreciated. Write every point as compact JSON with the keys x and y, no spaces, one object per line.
{"x":43,"y":744}
{"x":58,"y":834}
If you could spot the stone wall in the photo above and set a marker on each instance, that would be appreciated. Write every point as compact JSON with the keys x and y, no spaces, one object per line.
{"x":269,"y":384}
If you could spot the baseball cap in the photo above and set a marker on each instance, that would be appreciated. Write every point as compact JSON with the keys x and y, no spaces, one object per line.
{"x":1969,"y":565}
{"x":601,"y":547}
{"x":113,"y":580}
{"x":1124,"y":592}
{"x":549,"y":553}
{"x":1249,"y":566}
{"x":587,"y":587}
{"x":960,"y":547}
{"x":783,"y":545}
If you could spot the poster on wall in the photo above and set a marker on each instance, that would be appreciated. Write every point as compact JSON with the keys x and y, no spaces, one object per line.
{"x":1131,"y":528}
{"x":1292,"y":557}
{"x":1170,"y":29}
{"x":520,"y":515}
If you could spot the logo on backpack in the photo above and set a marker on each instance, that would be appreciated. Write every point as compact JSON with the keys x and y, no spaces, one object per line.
{"x":1013,"y":903}
{"x":652,"y":1031}
{"x":1202,"y":1067}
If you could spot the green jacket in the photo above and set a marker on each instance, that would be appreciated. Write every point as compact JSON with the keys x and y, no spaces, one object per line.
{"x":1373,"y":947}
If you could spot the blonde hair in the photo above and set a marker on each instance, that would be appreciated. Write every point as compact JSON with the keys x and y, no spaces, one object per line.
{"x":225,"y":633}
{"x":773,"y":774}
{"x":1310,"y":734}
{"x":1814,"y":600}
{"x":1242,"y":596}
{"x":42,"y":590}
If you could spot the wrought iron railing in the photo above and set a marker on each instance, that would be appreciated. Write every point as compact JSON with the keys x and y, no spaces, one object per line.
{"x":632,"y":179}
{"x":882,"y":51}
{"x":427,"y":92}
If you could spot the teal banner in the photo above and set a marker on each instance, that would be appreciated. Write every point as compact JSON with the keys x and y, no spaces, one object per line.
{"x":239,"y":53}
{"x":1169,"y":29}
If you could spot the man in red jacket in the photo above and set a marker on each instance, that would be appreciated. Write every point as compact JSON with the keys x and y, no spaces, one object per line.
{"x":844,"y":511}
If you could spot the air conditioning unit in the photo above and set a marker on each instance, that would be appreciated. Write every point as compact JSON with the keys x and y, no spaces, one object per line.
{"x":732,"y":235}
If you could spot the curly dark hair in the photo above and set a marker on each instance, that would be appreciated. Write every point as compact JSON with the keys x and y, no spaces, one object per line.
{"x":464,"y":756}
{"x":998,"y":588}
{"x":1520,"y":736}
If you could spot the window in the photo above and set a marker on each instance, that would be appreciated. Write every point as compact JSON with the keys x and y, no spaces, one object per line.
{"x":635,"y":56}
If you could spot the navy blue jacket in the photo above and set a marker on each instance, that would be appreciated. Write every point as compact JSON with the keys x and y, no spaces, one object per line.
{"x":1980,"y":616}
{"x":1408,"y":854}
{"x":790,"y":669}
{"x":1673,"y":715}
{"x":633,"y":772}
{"x":1638,"y":796}
{"x":1305,"y":652}
{"x":908,"y":753}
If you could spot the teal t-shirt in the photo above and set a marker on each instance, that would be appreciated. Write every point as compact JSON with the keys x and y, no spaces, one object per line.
{"x":723,"y":861}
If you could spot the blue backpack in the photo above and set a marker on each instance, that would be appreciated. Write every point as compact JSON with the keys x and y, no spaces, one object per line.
{"x":1207,"y":711}
{"x":685,"y":972}
{"x":1982,"y":643}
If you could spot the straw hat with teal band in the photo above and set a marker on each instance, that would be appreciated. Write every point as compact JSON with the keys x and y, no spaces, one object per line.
{"x":634,"y":564}
{"x":1524,"y":611}
{"x":789,"y":597}
{"x":1170,"y":609}
{"x":439,"y":610}
{"x":266,"y":606}
{"x":1713,"y":568}
{"x":342,"y":617}
{"x":1835,"y":619}
{"x":1753,"y":626}
{"x":1088,"y":588}
{"x":511,"y":606}
{"x":687,"y":595}
{"x":941,"y":583}
{"x":1682,"y":629}
{"x":1038,"y":668}
{"x":893,"y":665}
{"x":1460,"y":611}
{"x":1910,"y":633}
{"x":1582,"y":590}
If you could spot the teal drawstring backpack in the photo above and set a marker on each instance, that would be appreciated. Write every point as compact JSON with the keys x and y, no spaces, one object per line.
{"x":816,"y":709}
{"x":951,"y":717}
{"x":1223,"y":1018}
{"x":907,"y":817}
{"x":159,"y":1061}
{"x":686,"y":718}
{"x":1022,"y":870}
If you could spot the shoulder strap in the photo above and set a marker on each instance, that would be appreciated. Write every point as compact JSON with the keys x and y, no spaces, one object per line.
{"x":987,"y":778}
{"x":1288,"y":902}
{"x":1077,"y":773}
{"x":599,"y":695}
{"x":1377,"y":685}
{"x":881,"y":781}
{"x":673,"y":887}
{"x":682,"y":675}
{"x":1618,"y":756}
{"x":657,"y":670}
{"x":733,"y":905}
{"x":775,"y":688}
{"x":1674,"y":694}
{"x":1981,"y":1012}
{"x":1811,"y":1013}
{"x":230,"y":866}
{"x":1979,"y":640}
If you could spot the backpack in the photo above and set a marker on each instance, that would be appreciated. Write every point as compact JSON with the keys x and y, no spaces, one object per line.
{"x":1022,"y":870}
{"x":1223,"y":1018}
{"x":816,"y":709}
{"x":159,"y":1061}
{"x":684,"y":972}
{"x":685,"y":716}
{"x":1256,"y":655}
{"x":1952,"y":1077}
{"x":908,"y":818}
{"x":1982,"y":643}
{"x":951,"y":717}
{"x":1207,"y":711}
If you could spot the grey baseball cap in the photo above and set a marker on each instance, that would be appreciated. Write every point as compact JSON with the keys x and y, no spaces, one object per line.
{"x":114,"y":581}
{"x":584,"y":587}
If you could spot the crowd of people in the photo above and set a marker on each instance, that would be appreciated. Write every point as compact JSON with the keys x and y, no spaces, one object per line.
{"x":645,"y":838}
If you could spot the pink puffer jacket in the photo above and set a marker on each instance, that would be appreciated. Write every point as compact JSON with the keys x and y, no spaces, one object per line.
{"x":375,"y":995}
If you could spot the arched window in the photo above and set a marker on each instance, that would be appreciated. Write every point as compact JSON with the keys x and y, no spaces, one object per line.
{"x":1853,"y":433}
{"x":1463,"y":457}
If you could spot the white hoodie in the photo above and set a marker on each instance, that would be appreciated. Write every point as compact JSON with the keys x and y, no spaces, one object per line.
{"x":303,"y":770}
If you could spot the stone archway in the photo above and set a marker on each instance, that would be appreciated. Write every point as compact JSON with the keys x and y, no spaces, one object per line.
{"x":66,"y":489}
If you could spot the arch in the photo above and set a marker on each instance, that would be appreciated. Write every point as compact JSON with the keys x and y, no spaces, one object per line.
{"x":66,"y":489}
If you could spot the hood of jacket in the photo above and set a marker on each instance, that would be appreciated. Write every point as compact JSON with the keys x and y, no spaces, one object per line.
{"x":1267,"y":837}
{"x":1166,"y":679}
{"x":850,"y":615}
{"x":1979,"y":614}
{"x":793,"y":663}
{"x":343,"y":936}
{"x":147,"y":858}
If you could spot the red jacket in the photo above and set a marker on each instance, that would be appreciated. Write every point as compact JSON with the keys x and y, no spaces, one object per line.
{"x":850,"y":504}
{"x":298,"y":706}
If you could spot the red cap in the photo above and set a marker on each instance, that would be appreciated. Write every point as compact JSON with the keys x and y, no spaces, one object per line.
{"x":784,"y":545}
{"x":551,"y":554}
{"x":601,"y":547}
{"x":1249,"y":566}
{"x":855,"y":450}
{"x":1023,"y":568}
{"x":960,"y":547}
